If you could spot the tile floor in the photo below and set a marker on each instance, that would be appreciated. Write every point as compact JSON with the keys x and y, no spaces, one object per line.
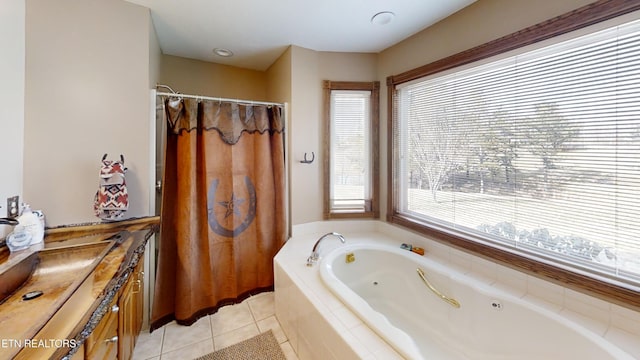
{"x":230,"y":325}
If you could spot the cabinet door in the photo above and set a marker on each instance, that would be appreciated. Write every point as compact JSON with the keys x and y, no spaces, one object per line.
{"x":138,"y":300}
{"x":131,"y":310}
{"x":125,"y":321}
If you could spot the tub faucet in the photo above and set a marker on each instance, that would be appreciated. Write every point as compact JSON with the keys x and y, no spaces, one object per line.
{"x":315,"y":253}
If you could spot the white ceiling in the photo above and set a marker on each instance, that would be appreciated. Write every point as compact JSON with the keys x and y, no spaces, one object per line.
{"x":259,"y":31}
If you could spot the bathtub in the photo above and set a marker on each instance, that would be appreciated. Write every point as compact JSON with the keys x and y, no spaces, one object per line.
{"x":381,"y":285}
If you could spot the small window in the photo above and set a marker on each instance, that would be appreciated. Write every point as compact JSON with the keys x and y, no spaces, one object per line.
{"x":351,"y":149}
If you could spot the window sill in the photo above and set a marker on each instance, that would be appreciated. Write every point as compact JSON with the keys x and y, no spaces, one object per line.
{"x":351,"y":215}
{"x":623,"y":294}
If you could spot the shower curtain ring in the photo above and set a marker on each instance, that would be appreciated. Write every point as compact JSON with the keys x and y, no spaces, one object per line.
{"x":308,"y":161}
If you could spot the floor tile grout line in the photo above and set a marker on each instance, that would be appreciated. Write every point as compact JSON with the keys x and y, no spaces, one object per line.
{"x":210,"y":322}
{"x":213,"y":342}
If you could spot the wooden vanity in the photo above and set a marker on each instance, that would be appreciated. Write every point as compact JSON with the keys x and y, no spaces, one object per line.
{"x":92,"y":282}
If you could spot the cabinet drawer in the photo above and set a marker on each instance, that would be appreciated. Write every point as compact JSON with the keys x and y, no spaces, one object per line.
{"x":105,"y":346}
{"x":105,"y":334}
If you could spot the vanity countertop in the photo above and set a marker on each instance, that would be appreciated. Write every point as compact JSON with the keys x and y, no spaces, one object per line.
{"x":79,"y":272}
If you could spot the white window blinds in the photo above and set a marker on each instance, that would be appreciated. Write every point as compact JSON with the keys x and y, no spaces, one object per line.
{"x":350,"y":188}
{"x":539,"y":152}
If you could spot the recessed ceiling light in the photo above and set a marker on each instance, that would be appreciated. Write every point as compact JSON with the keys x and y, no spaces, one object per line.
{"x":382,"y":18}
{"x":223,"y":52}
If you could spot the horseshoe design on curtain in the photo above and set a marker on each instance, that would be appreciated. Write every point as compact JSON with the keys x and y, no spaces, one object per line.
{"x":223,"y":206}
{"x":231,"y":208}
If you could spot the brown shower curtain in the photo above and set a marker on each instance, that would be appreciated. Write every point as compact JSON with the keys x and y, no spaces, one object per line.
{"x":223,"y":206}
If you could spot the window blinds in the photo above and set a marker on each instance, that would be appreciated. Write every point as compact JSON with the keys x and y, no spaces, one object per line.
{"x":539,"y":151}
{"x":350,"y":150}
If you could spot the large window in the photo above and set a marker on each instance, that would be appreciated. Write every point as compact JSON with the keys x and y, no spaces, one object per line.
{"x":536,"y":154}
{"x":351,"y":115}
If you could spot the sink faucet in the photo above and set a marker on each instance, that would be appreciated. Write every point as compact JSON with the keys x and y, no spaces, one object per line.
{"x":315,"y":254}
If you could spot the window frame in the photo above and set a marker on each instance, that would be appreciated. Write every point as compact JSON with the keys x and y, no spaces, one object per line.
{"x":374,"y":102}
{"x":607,"y":289}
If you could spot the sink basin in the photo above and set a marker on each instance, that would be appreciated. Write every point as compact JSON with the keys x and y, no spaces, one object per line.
{"x":39,"y":283}
{"x":14,"y":274}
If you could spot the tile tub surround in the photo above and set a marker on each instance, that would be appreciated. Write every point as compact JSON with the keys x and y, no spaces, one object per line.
{"x":319,"y":326}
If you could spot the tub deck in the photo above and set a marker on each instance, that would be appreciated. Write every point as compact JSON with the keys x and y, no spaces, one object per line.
{"x":319,"y":325}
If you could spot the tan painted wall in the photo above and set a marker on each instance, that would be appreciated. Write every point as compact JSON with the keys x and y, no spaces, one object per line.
{"x":483,"y":21}
{"x":197,"y":77}
{"x":155,"y":57}
{"x":348,"y":66}
{"x":12,"y":21}
{"x":278,"y":78}
{"x":309,"y":69}
{"x":304,"y":136}
{"x":87,"y":93}
{"x":279,"y":90}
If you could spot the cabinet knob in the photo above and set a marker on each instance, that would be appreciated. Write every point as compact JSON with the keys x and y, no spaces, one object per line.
{"x":112,"y":340}
{"x":115,"y":308}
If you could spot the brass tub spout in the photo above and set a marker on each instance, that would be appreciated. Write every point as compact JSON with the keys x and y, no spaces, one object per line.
{"x":453,"y":302}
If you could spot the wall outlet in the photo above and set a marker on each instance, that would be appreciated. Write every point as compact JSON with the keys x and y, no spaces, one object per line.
{"x":13,"y":206}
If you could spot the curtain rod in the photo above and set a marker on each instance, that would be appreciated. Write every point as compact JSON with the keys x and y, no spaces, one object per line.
{"x":198,"y":97}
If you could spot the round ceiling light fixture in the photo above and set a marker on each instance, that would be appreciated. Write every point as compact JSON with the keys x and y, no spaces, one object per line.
{"x":382,"y":18}
{"x":223,"y":52}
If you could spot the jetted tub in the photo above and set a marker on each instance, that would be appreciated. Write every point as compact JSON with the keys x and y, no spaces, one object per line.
{"x":382,"y":285}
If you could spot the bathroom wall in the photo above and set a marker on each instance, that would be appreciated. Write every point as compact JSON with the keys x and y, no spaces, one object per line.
{"x":305,"y":136}
{"x":474,"y":25}
{"x":279,"y":90}
{"x":157,"y":147}
{"x":155,"y":56}
{"x":12,"y":21}
{"x":197,"y":77}
{"x":279,"y":79}
{"x":309,"y":68}
{"x":87,"y":94}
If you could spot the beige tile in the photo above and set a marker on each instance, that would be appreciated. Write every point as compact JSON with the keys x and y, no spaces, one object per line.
{"x":626,"y":341}
{"x":262,"y":306}
{"x":235,"y":336}
{"x":545,"y":290}
{"x":148,"y":345}
{"x":483,"y":270}
{"x":387,"y":353}
{"x":177,"y":336}
{"x":230,"y":325}
{"x":231,"y":318}
{"x":585,"y":321}
{"x":594,"y":308}
{"x":190,"y":352}
{"x":288,"y":351}
{"x":369,"y":339}
{"x":347,"y":317}
{"x":271,"y":323}
{"x":625,"y":319}
{"x":511,"y":281}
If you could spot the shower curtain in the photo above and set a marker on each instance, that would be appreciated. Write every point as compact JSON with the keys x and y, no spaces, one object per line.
{"x":223,"y":206}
